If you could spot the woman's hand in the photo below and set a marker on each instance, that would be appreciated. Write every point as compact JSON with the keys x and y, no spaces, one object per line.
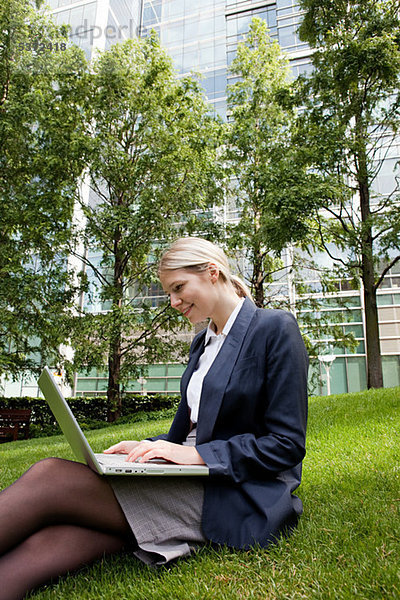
{"x":146,"y":450}
{"x":122,"y":447}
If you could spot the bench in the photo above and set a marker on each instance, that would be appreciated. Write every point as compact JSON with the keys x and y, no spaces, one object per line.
{"x":14,"y":424}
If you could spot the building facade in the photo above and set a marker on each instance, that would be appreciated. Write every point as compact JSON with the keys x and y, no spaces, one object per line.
{"x":201,"y":37}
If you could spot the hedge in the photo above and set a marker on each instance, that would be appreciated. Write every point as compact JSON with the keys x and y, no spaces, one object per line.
{"x":91,"y":411}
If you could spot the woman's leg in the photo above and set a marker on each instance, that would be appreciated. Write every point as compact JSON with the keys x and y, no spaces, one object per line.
{"x":55,"y":518}
{"x":58,"y":492}
{"x":49,"y":553}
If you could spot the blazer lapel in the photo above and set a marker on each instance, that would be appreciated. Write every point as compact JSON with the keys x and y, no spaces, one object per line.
{"x":217,"y":378}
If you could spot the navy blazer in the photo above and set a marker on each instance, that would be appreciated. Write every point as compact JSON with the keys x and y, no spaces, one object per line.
{"x":251,"y":427}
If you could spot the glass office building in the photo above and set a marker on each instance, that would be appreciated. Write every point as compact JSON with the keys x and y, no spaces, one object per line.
{"x":201,"y":37}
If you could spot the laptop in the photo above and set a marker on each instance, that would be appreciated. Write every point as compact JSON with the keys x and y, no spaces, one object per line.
{"x":104,"y":464}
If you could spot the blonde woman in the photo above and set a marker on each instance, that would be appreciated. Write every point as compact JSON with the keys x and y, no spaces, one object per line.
{"x":242,"y":413}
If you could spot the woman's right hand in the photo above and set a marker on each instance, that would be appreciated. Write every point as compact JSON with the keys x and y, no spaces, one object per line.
{"x":124,"y":447}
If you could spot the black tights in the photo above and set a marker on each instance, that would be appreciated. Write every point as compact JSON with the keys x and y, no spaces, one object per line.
{"x":56,"y":518}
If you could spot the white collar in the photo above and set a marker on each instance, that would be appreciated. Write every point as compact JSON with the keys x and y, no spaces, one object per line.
{"x":210,"y":331}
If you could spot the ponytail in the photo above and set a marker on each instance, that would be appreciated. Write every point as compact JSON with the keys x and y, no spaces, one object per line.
{"x":240,"y":287}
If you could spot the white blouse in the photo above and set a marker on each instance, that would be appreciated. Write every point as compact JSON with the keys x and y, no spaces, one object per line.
{"x":212,"y":345}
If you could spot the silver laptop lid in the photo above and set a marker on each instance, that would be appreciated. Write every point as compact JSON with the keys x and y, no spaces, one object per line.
{"x":100,"y":462}
{"x":66,"y":420}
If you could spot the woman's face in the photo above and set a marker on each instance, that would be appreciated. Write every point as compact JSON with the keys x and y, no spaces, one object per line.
{"x":192,"y":293}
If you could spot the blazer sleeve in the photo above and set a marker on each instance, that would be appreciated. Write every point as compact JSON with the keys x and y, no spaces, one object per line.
{"x":277,"y":443}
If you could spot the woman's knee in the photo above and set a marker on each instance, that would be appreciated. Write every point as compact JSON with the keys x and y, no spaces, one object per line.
{"x":47,"y":467}
{"x":58,"y":473}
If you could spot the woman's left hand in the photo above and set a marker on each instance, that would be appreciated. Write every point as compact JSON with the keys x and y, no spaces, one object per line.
{"x":182,"y":455}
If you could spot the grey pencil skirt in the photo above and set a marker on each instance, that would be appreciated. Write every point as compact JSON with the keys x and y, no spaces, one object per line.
{"x":164,"y":513}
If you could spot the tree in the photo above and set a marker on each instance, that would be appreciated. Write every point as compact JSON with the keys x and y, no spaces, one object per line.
{"x":273,"y":190}
{"x":350,"y":122}
{"x":266,"y":182}
{"x":152,"y":163}
{"x":39,"y":163}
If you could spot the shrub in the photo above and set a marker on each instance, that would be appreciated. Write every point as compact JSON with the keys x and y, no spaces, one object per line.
{"x":91,"y":412}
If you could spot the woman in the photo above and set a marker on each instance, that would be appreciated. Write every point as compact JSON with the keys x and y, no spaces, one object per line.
{"x":242,"y":413}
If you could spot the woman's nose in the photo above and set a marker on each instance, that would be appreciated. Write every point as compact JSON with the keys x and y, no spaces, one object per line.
{"x":175,"y":300}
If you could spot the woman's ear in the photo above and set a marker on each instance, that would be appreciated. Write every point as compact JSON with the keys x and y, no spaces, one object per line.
{"x":214,"y":272}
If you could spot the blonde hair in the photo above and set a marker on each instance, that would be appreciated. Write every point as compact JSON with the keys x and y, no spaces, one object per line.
{"x":196,"y":254}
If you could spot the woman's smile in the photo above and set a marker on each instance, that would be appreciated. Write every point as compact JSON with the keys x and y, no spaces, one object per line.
{"x":187,"y":310}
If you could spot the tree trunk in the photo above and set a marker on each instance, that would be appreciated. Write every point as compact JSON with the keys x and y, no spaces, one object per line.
{"x":114,"y":388}
{"x":258,"y":273}
{"x":374,"y":361}
{"x":258,"y":279}
{"x":114,"y":357}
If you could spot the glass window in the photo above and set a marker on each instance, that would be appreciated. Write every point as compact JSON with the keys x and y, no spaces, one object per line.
{"x":62,"y":17}
{"x":206,"y":56}
{"x":231,"y":27}
{"x":384,"y":299}
{"x":111,"y":32}
{"x":191,"y":29}
{"x":189,"y":61}
{"x":219,"y":24}
{"x":353,"y":301}
{"x":152,"y":12}
{"x":102,"y":385}
{"x":176,"y":8}
{"x":390,"y":346}
{"x":389,"y":314}
{"x":385,"y":182}
{"x":391,"y":371}
{"x":86,"y":385}
{"x":177,"y":57}
{"x":219,"y":54}
{"x":287,"y":36}
{"x":206,"y":28}
{"x":338,"y":376}
{"x":287,"y":3}
{"x":173,"y":385}
{"x":157,"y":370}
{"x":284,"y":11}
{"x":208,"y":83}
{"x":175,"y":370}
{"x":230,"y":56}
{"x":389,"y":329}
{"x":149,"y":16}
{"x":198,"y":8}
{"x":220,"y":109}
{"x":360,"y":348}
{"x":271,"y":18}
{"x":386,"y":283}
{"x":155,"y":385}
{"x":172,"y":35}
{"x":89,"y":13}
{"x":243,"y":23}
{"x":357,"y":330}
{"x":395,"y":270}
{"x":356,"y":374}
{"x":75,"y":18}
{"x":305,"y":69}
{"x":134,"y":386}
{"x":220,"y":83}
{"x":354,"y":316}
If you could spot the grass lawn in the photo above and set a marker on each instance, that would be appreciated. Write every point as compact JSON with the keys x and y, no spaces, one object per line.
{"x":347,"y":542}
